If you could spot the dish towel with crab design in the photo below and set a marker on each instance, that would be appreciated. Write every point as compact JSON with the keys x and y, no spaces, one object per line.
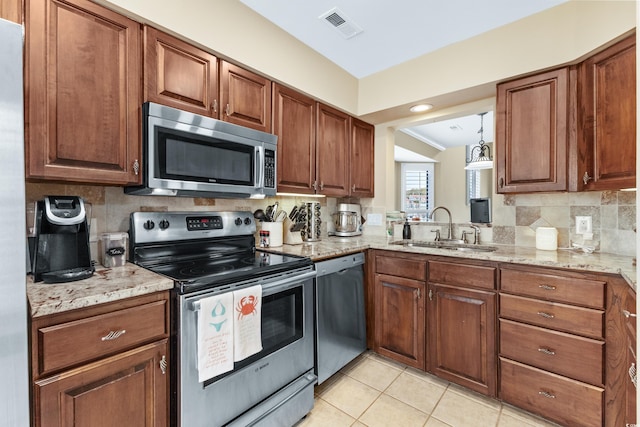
{"x":215,"y":336}
{"x":247,"y":330}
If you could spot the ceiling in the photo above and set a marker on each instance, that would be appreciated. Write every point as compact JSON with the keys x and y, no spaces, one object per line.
{"x":395,"y":32}
{"x":392,"y":32}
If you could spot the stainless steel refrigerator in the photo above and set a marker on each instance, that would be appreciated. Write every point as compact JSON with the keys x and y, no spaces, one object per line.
{"x":14,"y":375}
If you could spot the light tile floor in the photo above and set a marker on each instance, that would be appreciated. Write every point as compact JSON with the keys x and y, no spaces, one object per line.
{"x":374,"y":391}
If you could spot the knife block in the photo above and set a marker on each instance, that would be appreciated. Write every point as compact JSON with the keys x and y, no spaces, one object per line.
{"x":291,"y":237}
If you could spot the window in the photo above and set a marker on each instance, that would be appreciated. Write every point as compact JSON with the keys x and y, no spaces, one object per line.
{"x":417,"y":189}
{"x":472,"y":180}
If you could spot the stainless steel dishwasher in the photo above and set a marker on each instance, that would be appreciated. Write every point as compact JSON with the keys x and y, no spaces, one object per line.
{"x":341,"y":333}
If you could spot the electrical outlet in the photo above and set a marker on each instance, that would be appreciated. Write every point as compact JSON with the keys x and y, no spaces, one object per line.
{"x":583,"y":225}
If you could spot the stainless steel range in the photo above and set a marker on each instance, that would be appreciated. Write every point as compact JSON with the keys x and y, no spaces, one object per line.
{"x":212,"y":254}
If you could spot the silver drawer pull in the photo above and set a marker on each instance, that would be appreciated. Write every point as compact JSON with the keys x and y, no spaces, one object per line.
{"x":632,"y":375}
{"x":546,"y":394}
{"x":114,"y":335}
{"x":546,"y":315}
{"x":547,"y":287}
{"x":163,"y":364}
{"x":628,"y":314}
{"x":547,"y":351}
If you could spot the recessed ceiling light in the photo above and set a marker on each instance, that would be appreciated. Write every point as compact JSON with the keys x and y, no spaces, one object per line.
{"x":420,"y":108}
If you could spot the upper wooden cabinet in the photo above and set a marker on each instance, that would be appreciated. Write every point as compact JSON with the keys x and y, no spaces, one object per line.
{"x":531,"y":133}
{"x":361,"y":159}
{"x":571,"y":129}
{"x":179,"y":74}
{"x":321,"y":150}
{"x":607,"y":119}
{"x":11,"y":10}
{"x":83,"y":93}
{"x":332,"y":151}
{"x":245,"y":97}
{"x":294,"y":121}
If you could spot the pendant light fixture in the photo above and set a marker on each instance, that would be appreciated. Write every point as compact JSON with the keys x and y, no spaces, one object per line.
{"x":481,"y":153}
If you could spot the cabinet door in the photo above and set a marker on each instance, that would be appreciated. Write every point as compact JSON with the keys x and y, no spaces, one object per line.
{"x":11,"y":10}
{"x":179,"y":75}
{"x":129,"y":389}
{"x":332,"y":152}
{"x":245,"y":97}
{"x":83,"y":93}
{"x":361,"y":159}
{"x":462,"y":337}
{"x":400,"y":319}
{"x":294,"y":122}
{"x":607,"y":130}
{"x":531,"y":133}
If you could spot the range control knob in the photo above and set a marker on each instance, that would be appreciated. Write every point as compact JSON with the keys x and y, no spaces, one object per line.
{"x":247,"y":221}
{"x":148,"y":225}
{"x":238,"y":221}
{"x":164,"y":224}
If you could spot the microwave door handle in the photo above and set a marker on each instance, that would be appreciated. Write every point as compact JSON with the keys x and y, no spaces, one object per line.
{"x":259,"y":167}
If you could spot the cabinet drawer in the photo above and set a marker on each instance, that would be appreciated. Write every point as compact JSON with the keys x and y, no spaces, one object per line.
{"x":555,"y":397}
{"x":568,"y":318}
{"x":576,"y":357}
{"x":573,"y":290}
{"x":70,"y":343}
{"x":401,"y":267}
{"x":449,"y":273}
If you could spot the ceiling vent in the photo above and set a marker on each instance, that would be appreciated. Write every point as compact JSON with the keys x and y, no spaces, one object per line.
{"x":341,"y":22}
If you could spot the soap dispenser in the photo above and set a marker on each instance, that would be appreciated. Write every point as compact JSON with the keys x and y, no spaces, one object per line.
{"x":406,"y":230}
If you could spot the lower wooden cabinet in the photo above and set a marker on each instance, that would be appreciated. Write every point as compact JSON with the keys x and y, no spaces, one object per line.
{"x":400,"y":319}
{"x":462,"y":336}
{"x":106,"y":365}
{"x":129,"y":389}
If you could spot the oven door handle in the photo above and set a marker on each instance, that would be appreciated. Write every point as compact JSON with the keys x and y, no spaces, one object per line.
{"x":274,"y":287}
{"x":286,"y":283}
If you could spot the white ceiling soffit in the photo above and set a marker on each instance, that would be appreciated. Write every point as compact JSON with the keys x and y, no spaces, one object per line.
{"x":403,"y":155}
{"x":393,"y":33}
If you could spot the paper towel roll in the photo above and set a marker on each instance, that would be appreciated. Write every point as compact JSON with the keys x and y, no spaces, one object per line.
{"x":547,"y":238}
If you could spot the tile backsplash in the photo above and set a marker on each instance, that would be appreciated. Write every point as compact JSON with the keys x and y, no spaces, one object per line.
{"x":613,"y":214}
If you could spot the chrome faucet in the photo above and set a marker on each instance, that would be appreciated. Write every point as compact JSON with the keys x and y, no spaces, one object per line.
{"x":450,"y":231}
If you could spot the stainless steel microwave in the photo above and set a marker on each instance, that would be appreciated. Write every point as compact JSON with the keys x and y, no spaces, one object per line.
{"x":186,"y":154}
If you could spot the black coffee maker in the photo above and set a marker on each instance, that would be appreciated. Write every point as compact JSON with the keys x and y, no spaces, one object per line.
{"x":61,"y":249}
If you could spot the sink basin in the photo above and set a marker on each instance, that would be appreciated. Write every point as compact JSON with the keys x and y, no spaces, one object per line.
{"x":449,"y":245}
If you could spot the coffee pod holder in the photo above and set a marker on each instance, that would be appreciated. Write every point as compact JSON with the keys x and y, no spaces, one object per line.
{"x":291,"y":236}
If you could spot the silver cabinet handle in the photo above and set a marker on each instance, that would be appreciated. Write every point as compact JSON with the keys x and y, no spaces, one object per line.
{"x":321,"y":185}
{"x":226,"y":110}
{"x":546,"y":394}
{"x":353,"y":187}
{"x":214,"y":106}
{"x":632,"y":375}
{"x":586,"y":178}
{"x":547,"y":351}
{"x":163,"y":364}
{"x":546,"y":315}
{"x":547,"y":287}
{"x":112,"y":335}
{"x":315,"y":185}
{"x":136,"y":167}
{"x":628,"y":314}
{"x":430,"y":295}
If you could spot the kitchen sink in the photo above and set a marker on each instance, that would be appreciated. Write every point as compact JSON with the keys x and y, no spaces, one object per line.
{"x":452,"y":246}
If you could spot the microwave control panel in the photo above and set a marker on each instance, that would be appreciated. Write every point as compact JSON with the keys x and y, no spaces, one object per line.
{"x":269,"y":168}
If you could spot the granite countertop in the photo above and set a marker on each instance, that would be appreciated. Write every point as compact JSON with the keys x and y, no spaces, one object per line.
{"x":596,"y":262}
{"x":106,"y":285}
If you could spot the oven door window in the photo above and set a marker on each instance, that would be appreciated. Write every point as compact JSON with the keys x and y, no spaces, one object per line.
{"x":191,"y":157}
{"x":282,"y":324}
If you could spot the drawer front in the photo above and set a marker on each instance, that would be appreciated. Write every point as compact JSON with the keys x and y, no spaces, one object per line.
{"x":401,"y":267}
{"x":75,"y":342}
{"x":555,"y":397}
{"x":576,"y":357}
{"x":449,"y":273}
{"x":589,"y":293}
{"x":568,"y":318}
